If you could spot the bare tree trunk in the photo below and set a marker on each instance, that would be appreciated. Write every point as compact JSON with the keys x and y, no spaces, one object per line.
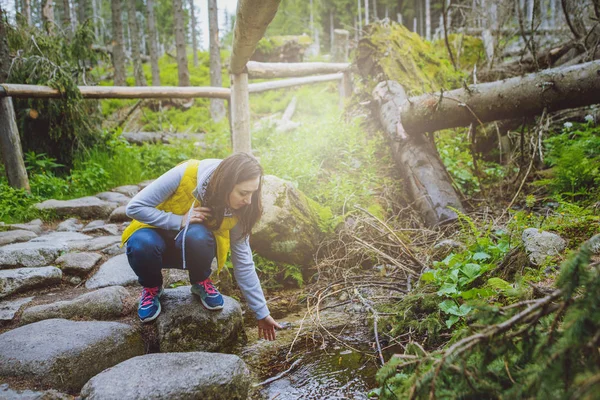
{"x":182,"y":61}
{"x":27,"y":11}
{"x":366,"y":12}
{"x":118,"y":54}
{"x":138,"y":71}
{"x":95,"y":16}
{"x":424,"y":175}
{"x":48,"y":16}
{"x":359,"y":19}
{"x":428,"y":19}
{"x":217,"y":106}
{"x":67,"y":18}
{"x":152,"y":36}
{"x":194,"y":35}
{"x":4,"y":51}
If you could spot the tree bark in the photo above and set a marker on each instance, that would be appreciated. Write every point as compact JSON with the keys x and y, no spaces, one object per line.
{"x":48,"y":16}
{"x":428,"y":19}
{"x":118,"y":54}
{"x":138,"y":71}
{"x":182,"y":61}
{"x":27,"y":11}
{"x":194,"y":34}
{"x":424,"y":175}
{"x":258,"y":70}
{"x":152,"y":36}
{"x":4,"y":50}
{"x":551,"y":90}
{"x":217,"y":107}
{"x":10,"y":145}
{"x":252,"y":19}
{"x":67,"y":18}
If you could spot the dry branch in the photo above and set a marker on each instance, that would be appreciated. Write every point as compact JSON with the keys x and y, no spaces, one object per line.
{"x":259,"y":70}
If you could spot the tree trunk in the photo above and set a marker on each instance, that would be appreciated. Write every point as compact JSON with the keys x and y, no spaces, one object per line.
{"x":424,"y":175}
{"x":194,"y":34}
{"x":27,"y":11}
{"x":152,"y":36}
{"x":4,"y":51}
{"x":48,"y":16}
{"x":182,"y":61}
{"x":10,"y":146}
{"x":67,"y":18}
{"x":252,"y":19}
{"x":428,"y":19}
{"x":366,"y":12}
{"x":118,"y":54}
{"x":95,"y":16}
{"x":552,"y":89}
{"x":138,"y":71}
{"x":217,"y":107}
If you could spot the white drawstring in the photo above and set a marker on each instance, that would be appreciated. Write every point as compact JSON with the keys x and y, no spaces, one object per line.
{"x":185,"y":229}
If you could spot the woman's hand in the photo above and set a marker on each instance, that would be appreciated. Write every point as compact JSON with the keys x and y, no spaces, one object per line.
{"x":266,"y":328}
{"x":199,"y":215}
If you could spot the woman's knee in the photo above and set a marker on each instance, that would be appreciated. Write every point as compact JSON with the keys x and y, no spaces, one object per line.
{"x":145,"y":242}
{"x":200,"y":239}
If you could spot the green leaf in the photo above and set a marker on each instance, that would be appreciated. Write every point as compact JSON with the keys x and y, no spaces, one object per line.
{"x":447,"y":289}
{"x":449,"y":307}
{"x":464,"y":309}
{"x":451,"y":321}
{"x":481,"y":256}
{"x":471,"y":270}
{"x":428,"y":276}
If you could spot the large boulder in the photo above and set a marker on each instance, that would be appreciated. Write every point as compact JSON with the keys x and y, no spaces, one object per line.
{"x":114,"y":272}
{"x":185,"y":325}
{"x":172,"y":376}
{"x":540,"y":245}
{"x":35,"y":226}
{"x":114,"y":197}
{"x":85,"y":207}
{"x":127,"y":190}
{"x":102,"y":304}
{"x":65,"y":354}
{"x":30,"y":254}
{"x":289,"y":228}
{"x":22,"y":279}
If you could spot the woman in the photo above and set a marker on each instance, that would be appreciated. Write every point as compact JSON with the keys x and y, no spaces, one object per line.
{"x":189,"y":215}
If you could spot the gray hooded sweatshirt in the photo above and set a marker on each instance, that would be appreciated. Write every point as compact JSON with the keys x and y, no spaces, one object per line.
{"x":143,"y":208}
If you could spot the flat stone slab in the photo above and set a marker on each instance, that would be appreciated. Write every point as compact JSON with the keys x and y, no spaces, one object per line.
{"x":61,"y":237}
{"x":193,"y":375}
{"x":6,"y":393}
{"x":119,"y":215}
{"x":541,"y":244}
{"x":69,"y":225}
{"x":85,"y":207}
{"x":102,"y":304}
{"x":8,"y":309}
{"x":114,"y":272}
{"x":19,"y":235}
{"x":21,"y":279}
{"x":127,"y":190}
{"x":78,"y":263}
{"x":65,"y":354}
{"x":185,"y":325}
{"x":114,"y":197}
{"x":30,"y":254}
{"x":95,"y":244}
{"x":111,"y":229}
{"x":33,"y":226}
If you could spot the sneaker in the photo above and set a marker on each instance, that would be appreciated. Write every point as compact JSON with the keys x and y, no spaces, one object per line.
{"x":209,"y":295}
{"x":149,"y":307}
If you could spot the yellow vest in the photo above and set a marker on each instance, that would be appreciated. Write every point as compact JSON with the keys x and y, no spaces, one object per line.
{"x":179,"y":203}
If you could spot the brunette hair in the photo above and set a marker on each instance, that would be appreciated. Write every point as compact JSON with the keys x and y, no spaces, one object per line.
{"x":237,"y":168}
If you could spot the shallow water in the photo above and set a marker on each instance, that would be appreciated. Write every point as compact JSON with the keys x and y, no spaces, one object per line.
{"x":333,"y":374}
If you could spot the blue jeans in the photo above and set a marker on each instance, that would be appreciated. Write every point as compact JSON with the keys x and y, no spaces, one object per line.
{"x":150,"y":250}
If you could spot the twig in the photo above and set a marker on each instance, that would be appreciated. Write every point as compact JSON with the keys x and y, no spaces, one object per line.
{"x":278,"y":376}
{"x":375,"y":318}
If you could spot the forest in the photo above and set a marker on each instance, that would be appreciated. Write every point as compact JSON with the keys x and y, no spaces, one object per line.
{"x":430,"y":223}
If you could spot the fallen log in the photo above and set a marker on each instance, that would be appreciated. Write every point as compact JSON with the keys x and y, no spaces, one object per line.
{"x":552,"y":89}
{"x":427,"y":182}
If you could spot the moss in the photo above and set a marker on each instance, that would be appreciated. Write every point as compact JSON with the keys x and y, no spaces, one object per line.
{"x":392,"y":52}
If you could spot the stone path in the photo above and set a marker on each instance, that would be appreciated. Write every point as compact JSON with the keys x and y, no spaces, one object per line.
{"x":68,"y":318}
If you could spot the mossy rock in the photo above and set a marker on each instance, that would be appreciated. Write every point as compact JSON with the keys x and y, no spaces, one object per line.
{"x":289,"y":230}
{"x":391,"y":52}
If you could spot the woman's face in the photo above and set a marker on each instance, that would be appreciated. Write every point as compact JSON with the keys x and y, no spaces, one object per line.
{"x":241,"y":195}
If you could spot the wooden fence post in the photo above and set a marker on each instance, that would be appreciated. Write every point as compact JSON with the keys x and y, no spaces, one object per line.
{"x":240,"y":113}
{"x":345,"y":88}
{"x":10,"y":144}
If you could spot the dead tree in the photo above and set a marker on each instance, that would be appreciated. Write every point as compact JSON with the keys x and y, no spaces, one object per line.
{"x":153,"y":48}
{"x":118,"y":53}
{"x":138,"y":72}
